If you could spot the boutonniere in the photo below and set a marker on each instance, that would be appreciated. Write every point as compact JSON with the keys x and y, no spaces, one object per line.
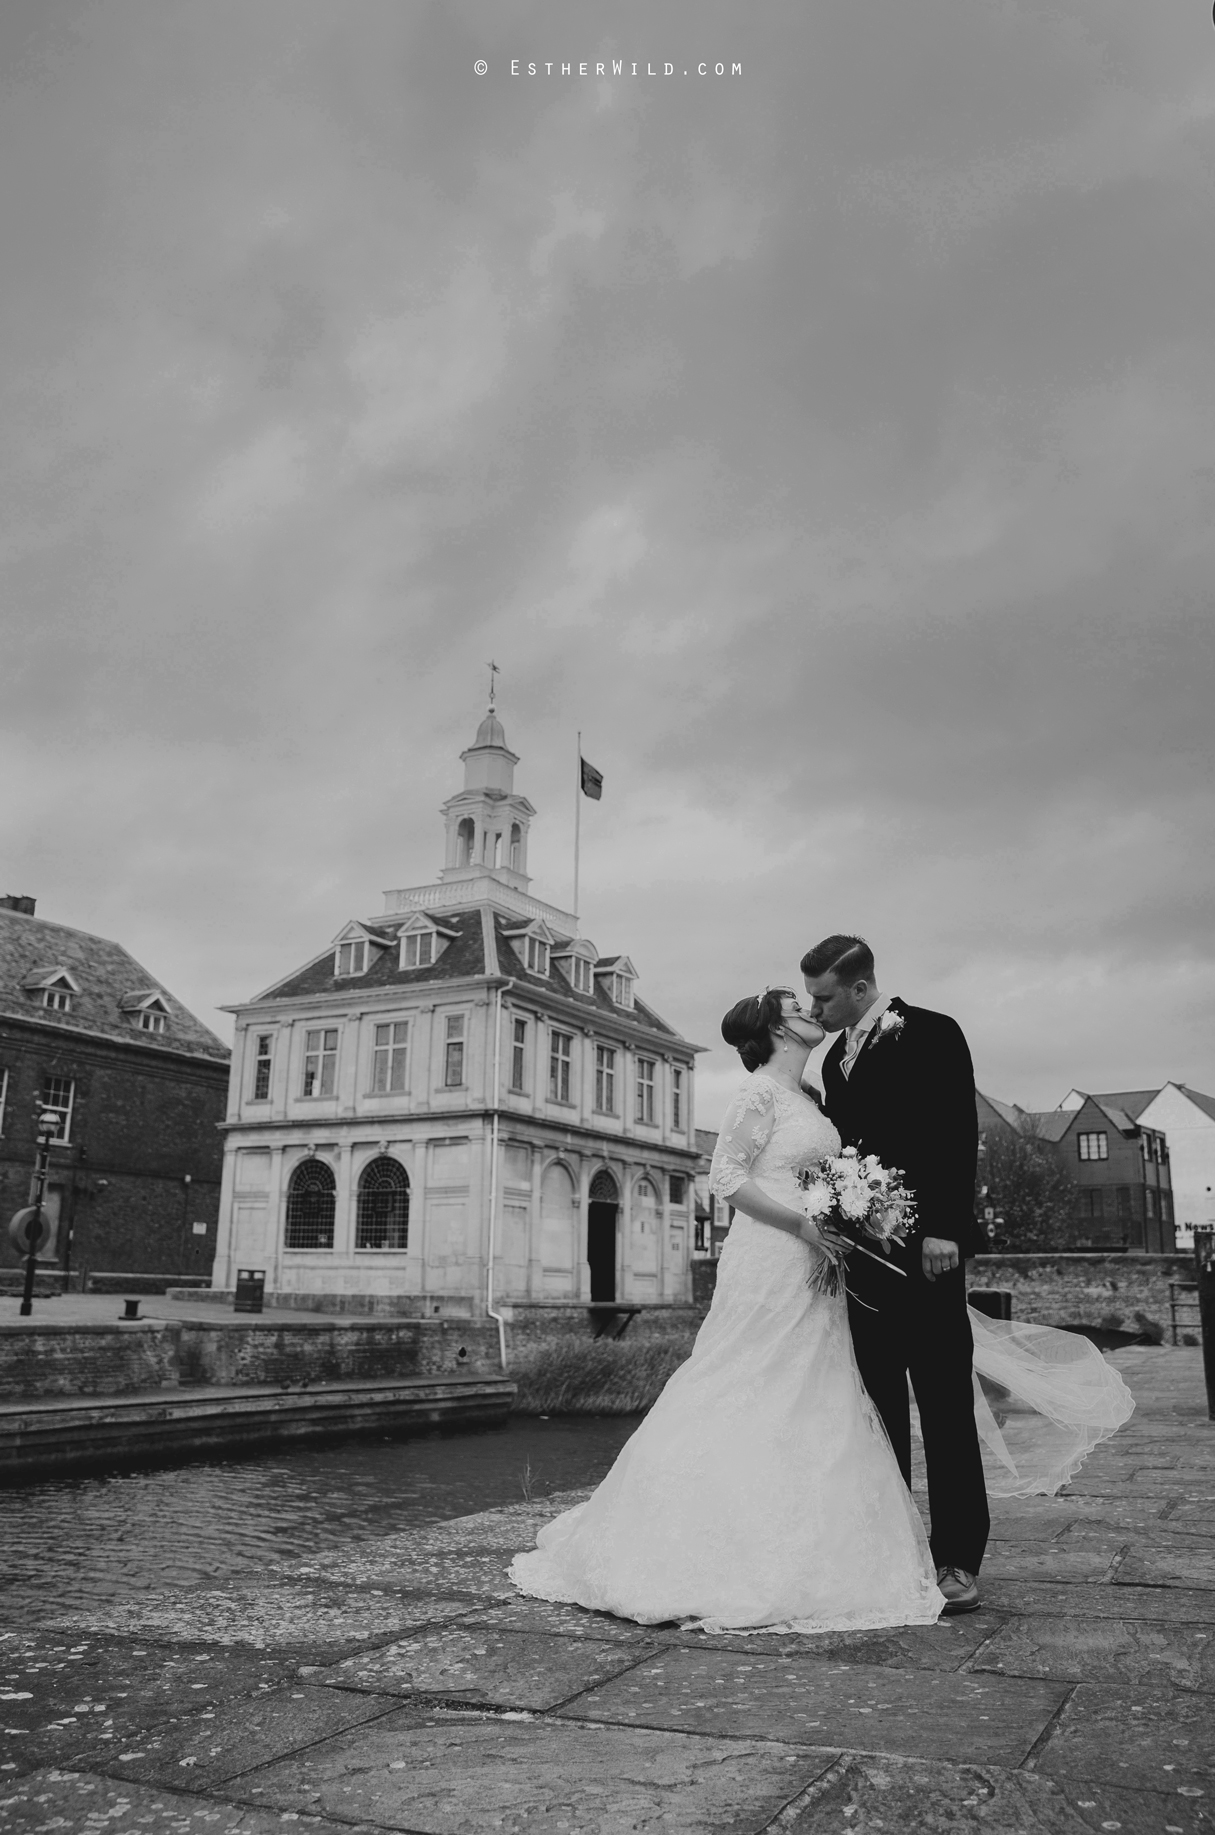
{"x":890,"y":1025}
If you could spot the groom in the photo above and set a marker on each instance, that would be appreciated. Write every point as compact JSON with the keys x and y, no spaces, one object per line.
{"x":899,"y":1083}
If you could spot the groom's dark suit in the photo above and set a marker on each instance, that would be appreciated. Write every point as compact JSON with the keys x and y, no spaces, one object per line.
{"x":910,"y":1099}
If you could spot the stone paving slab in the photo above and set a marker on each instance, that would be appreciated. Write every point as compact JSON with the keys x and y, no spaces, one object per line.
{"x":1169,"y":1566}
{"x":60,"y":1695}
{"x":1131,"y":1651}
{"x":479,"y":1572}
{"x":451,"y":1773}
{"x":55,"y":1802}
{"x":1141,"y":1737}
{"x":922,"y":1713}
{"x":1169,"y":1605}
{"x":206,"y":1750}
{"x":1032,"y":1561}
{"x":487,"y":1666}
{"x":270,"y":1615}
{"x":863,"y":1794}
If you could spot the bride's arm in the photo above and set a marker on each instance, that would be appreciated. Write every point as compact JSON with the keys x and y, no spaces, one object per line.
{"x":754,"y":1201}
{"x":745,"y":1134}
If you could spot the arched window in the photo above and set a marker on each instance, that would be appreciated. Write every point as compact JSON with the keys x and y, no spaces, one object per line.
{"x":382,"y":1214}
{"x":604,"y":1189}
{"x":311,"y":1200}
{"x":516,"y":847}
{"x":466,"y":836}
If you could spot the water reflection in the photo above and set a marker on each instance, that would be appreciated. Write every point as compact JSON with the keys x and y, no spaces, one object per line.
{"x":69,"y":1541}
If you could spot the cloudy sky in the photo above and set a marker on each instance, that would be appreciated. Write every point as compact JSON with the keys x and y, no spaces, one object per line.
{"x":833,"y":443}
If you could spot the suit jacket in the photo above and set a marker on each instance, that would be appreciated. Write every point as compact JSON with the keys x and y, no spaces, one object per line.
{"x":911,"y":1100}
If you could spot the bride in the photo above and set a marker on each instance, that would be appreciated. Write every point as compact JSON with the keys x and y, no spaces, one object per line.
{"x":760,"y":1492}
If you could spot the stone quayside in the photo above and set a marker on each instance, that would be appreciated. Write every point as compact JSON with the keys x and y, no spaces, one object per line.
{"x":403,"y":1685}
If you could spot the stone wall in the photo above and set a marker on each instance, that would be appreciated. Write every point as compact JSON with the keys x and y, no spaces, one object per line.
{"x":1109,"y":1290}
{"x":1119,"y":1291}
{"x":56,"y":1360}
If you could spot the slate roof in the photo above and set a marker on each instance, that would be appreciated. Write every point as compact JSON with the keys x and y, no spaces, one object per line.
{"x":107,"y":975}
{"x":1007,"y":1111}
{"x":1048,"y":1124}
{"x":464,"y":957}
{"x":1133,"y":1102}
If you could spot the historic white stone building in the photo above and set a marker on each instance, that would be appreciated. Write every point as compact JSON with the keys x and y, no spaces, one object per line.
{"x":461,"y":1100}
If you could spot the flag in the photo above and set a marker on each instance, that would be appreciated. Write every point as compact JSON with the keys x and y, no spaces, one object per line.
{"x":592,"y":780}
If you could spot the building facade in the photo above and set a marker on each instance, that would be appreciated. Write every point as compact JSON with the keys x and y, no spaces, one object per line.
{"x":1186,"y":1118}
{"x":139,"y":1086}
{"x":1120,"y":1168}
{"x":460,"y":1100}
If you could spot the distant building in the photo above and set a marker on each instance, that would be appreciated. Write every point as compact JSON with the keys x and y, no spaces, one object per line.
{"x":139,"y":1086}
{"x":1121,"y":1169}
{"x":712,"y":1216}
{"x":461,"y":1081}
{"x":1187,"y":1120}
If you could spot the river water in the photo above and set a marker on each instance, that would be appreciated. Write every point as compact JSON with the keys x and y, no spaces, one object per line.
{"x":69,"y":1541}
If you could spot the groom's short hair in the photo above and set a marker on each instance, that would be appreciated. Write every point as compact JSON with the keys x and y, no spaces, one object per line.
{"x":849,"y":959}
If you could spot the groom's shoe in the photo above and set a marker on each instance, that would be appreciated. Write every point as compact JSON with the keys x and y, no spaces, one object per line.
{"x":961,"y":1590}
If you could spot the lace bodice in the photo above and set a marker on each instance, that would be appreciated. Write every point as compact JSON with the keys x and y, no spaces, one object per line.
{"x":770,"y":1133}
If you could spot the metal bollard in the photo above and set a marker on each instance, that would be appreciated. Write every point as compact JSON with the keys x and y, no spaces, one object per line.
{"x":1204,"y":1266}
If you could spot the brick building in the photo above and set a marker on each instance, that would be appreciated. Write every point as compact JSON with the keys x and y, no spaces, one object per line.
{"x":1186,"y":1118}
{"x":140,"y":1086}
{"x":1120,"y":1167}
{"x":461,"y":1097}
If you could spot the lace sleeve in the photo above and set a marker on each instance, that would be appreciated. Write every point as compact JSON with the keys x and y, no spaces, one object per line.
{"x":745,"y":1133}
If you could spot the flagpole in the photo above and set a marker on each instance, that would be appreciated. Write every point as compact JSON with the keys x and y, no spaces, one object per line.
{"x":577,"y":821}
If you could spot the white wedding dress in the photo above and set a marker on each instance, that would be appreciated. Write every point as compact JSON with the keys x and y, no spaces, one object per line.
{"x":760,"y":1492}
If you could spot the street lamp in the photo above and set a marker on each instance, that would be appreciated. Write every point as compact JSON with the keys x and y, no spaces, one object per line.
{"x":47,"y":1127}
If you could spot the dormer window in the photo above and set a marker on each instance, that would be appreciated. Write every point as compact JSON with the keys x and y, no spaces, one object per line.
{"x":53,"y":988}
{"x":147,"y":1009}
{"x":582,"y":975}
{"x":537,"y":956}
{"x":418,"y":949}
{"x":351,"y":957}
{"x":616,"y":975}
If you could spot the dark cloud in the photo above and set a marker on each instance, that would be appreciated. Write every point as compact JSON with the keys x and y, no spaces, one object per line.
{"x":831,"y":444}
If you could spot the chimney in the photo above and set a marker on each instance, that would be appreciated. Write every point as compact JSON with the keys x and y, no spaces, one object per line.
{"x":17,"y":901}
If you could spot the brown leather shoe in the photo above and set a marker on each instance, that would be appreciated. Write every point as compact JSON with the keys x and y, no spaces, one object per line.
{"x":961,"y":1590}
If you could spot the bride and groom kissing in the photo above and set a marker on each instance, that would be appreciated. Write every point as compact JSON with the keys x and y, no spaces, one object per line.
{"x":768,"y":1488}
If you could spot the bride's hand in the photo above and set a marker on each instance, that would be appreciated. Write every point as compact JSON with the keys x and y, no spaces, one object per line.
{"x":822,"y":1237}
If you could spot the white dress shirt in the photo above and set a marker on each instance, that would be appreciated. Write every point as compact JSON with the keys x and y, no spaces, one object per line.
{"x":856,"y":1037}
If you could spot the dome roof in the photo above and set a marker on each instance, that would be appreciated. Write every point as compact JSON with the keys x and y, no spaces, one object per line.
{"x":490,"y":731}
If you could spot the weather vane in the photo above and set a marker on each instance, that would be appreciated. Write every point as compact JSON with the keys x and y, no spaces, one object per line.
{"x":494,"y":672}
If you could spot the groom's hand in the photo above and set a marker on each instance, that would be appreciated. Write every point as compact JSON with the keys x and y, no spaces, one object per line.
{"x":938,"y":1255}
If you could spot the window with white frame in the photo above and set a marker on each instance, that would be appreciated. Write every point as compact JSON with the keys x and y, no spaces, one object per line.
{"x":537,"y":956}
{"x":518,"y":1055}
{"x":263,"y":1064}
{"x":677,"y":1098}
{"x":453,"y":1052}
{"x":153,"y":1019}
{"x":678,"y":1189}
{"x":560,"y":1056}
{"x":1094,"y":1146}
{"x":389,"y":1058}
{"x":57,"y":998}
{"x":582,"y":975}
{"x":645,"y":1089}
{"x":605,"y":1079}
{"x":320,"y":1062}
{"x":352,"y":957}
{"x":59,"y":1095}
{"x":619,"y":989}
{"x":418,"y":949}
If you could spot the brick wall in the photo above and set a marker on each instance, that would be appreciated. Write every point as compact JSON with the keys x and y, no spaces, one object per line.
{"x":532,"y":1328}
{"x":153,"y":1354}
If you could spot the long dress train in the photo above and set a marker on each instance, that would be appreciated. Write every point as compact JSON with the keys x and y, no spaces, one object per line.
{"x":760,"y":1492}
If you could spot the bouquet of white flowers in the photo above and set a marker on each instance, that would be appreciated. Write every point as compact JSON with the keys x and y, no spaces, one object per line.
{"x":857,"y":1197}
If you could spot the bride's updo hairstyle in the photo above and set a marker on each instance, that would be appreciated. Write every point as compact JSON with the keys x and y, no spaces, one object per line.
{"x":749,"y":1027}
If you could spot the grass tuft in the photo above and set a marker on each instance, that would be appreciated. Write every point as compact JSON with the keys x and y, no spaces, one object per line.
{"x":596,"y":1375}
